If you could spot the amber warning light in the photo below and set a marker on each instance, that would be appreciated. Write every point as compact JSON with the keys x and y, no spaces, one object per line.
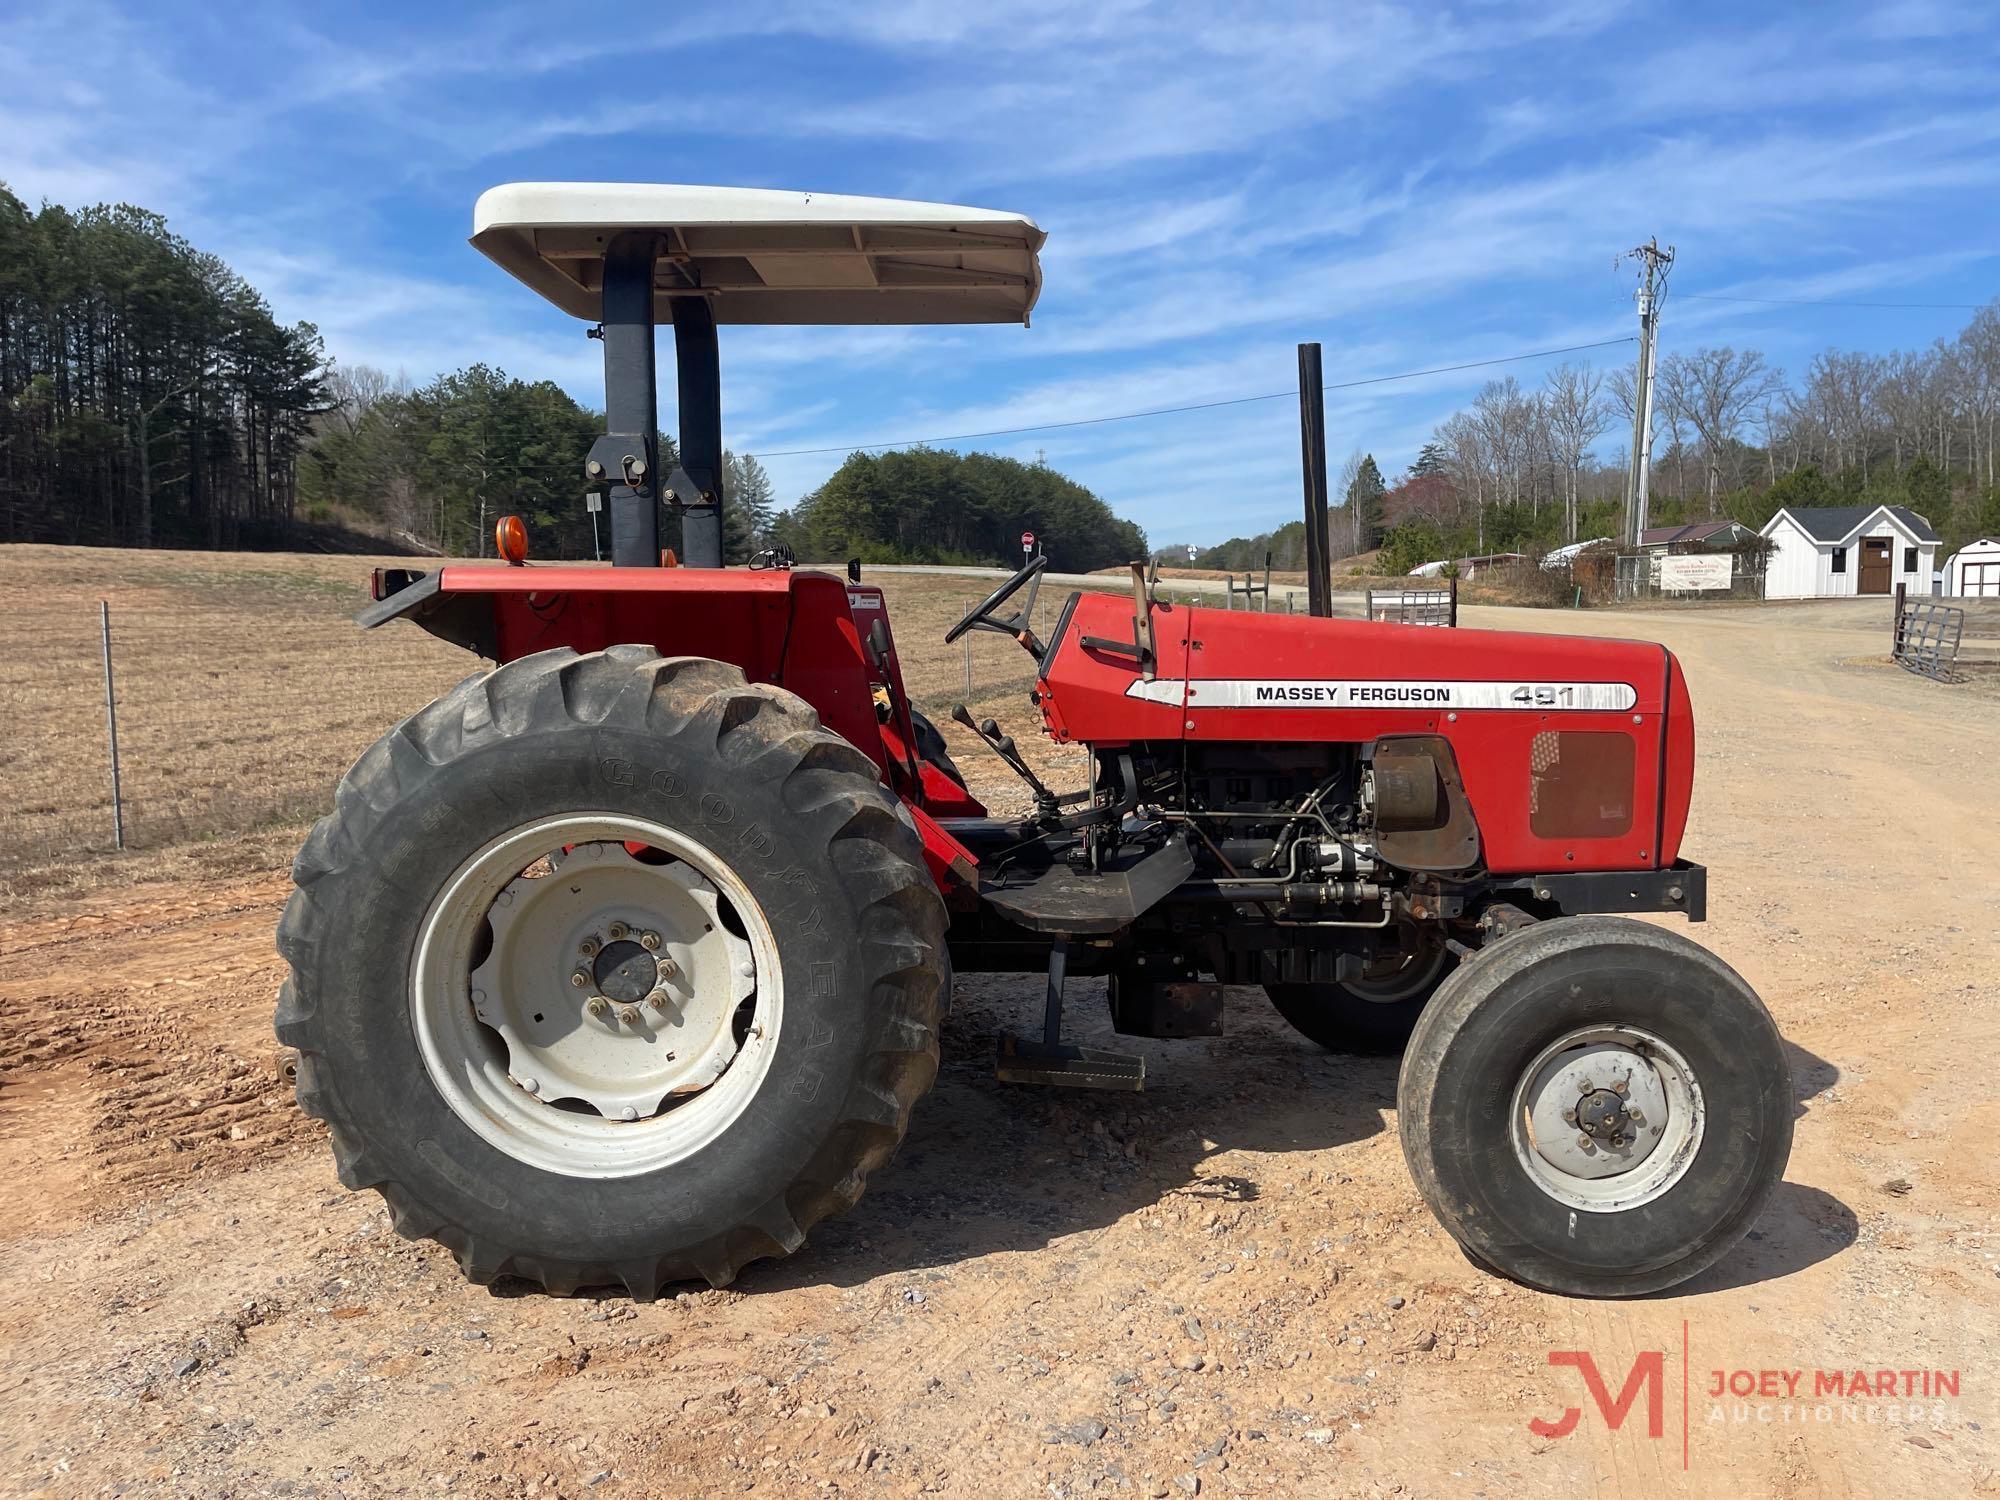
{"x":510,"y":540}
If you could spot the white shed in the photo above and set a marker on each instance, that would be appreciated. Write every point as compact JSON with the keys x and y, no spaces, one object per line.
{"x":1827,"y":551}
{"x":1974,"y":570}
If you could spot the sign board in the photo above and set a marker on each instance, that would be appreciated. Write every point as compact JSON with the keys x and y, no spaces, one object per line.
{"x":1191,"y":552}
{"x":1695,"y":570}
{"x":593,"y":501}
{"x":1028,"y":542}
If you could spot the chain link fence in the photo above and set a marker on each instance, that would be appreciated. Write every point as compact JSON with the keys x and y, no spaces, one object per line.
{"x":1630,"y":575}
{"x":227,"y":718}
{"x":242,"y":707}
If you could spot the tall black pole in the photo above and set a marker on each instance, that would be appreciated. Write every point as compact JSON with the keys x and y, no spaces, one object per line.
{"x":699,"y":370}
{"x":1312,"y":455}
{"x":626,"y":459}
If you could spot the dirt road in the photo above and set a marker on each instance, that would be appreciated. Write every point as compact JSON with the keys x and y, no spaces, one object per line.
{"x":1225,"y":1286}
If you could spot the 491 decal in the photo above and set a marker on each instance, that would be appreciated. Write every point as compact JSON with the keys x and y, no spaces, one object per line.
{"x":1315,"y":692}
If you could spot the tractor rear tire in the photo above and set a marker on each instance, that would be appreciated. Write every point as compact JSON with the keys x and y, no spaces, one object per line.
{"x":1596,"y":1107}
{"x":673,"y":1133}
{"x":1371,"y":1016}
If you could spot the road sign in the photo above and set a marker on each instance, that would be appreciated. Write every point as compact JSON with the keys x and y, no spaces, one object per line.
{"x":593,"y":501}
{"x":1191,"y":552}
{"x":1028,"y":543}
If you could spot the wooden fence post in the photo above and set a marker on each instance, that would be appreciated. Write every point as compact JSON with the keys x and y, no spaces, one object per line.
{"x":1896,"y":621}
{"x":111,"y":724}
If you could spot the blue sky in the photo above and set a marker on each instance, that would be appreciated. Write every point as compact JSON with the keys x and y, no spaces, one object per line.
{"x":1410,"y":185}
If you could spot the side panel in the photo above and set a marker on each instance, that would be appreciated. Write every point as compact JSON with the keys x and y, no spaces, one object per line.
{"x":1100,"y":697}
{"x":1561,"y":740}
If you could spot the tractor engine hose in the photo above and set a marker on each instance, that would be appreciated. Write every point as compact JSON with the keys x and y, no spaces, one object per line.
{"x":1292,"y":893}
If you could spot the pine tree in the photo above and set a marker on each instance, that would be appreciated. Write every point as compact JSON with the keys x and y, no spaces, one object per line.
{"x":1364,"y":504}
{"x":1430,"y":460}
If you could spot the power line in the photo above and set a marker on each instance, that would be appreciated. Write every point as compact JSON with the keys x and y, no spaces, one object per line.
{"x":1817,"y":302}
{"x":1168,"y":411}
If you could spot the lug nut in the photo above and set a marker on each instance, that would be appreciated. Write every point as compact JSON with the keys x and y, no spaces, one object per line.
{"x":1585,"y":1086}
{"x":1620,"y":1086}
{"x":1635,"y":1117}
{"x":579,"y":979}
{"x":617,"y":930}
{"x":650,"y":941}
{"x":668,"y":968}
{"x":588,"y":947}
{"x":629,"y":1015}
{"x":659,"y":1000}
{"x":1585,"y":1142}
{"x":1569,"y":1117}
{"x":599,"y":1007}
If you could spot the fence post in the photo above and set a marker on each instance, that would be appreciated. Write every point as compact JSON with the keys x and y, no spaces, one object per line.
{"x":968,"y":652}
{"x":1896,"y":621}
{"x":111,"y":724}
{"x":1454,"y":601}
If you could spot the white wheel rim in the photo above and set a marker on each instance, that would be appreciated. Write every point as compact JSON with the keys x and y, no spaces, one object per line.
{"x":616,"y":1024}
{"x":1607,"y":1118}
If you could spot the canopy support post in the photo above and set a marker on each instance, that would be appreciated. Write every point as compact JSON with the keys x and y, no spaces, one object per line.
{"x":698,"y":365}
{"x":627,"y":456}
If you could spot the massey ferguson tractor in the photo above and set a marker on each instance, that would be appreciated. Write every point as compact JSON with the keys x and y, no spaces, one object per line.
{"x":622,"y":963}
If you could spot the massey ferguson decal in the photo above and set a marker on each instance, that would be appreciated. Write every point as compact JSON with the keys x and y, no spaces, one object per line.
{"x":1261,"y":692}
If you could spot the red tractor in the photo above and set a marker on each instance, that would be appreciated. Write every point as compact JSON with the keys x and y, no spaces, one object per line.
{"x":623,"y":962}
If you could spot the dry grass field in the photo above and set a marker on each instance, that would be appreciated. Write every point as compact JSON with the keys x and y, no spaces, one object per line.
{"x":1223,"y":1287}
{"x":244,"y":689}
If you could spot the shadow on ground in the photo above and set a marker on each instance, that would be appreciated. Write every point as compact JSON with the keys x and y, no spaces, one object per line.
{"x":991,"y":1167}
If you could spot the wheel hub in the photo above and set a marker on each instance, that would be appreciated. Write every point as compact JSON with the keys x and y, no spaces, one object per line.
{"x":1606,"y":1118}
{"x":624,"y":971}
{"x":612,"y":982}
{"x":1601,"y":1115}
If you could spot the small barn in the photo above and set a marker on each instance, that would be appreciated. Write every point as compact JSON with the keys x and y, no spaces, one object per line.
{"x":1695,"y":535}
{"x":1829,"y":551}
{"x":1973,"y":572}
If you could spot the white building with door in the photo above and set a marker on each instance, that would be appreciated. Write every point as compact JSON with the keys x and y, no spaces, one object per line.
{"x":1973,"y":572}
{"x":1828,"y":551}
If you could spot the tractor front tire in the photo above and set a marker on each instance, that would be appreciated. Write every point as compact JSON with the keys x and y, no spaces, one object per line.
{"x":612,"y":970}
{"x":1596,"y":1107}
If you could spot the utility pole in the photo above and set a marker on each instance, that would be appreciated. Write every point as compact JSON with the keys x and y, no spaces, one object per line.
{"x":1651,"y":289}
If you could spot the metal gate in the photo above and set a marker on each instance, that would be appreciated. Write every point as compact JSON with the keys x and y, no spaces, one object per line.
{"x":1927,"y":637}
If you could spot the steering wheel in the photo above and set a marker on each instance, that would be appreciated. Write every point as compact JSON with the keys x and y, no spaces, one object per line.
{"x":983,"y":617}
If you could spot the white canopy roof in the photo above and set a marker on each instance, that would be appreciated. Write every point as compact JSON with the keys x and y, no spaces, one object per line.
{"x":764,"y":256}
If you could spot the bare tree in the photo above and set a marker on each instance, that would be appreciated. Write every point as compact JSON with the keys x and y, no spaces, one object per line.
{"x":1507,"y":420}
{"x":1349,"y":542}
{"x":1577,"y":413}
{"x":1468,"y":464}
{"x":351,"y":391}
{"x":1713,"y":391}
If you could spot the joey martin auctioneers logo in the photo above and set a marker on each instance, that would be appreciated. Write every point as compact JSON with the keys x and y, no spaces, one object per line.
{"x":1734,"y":1396}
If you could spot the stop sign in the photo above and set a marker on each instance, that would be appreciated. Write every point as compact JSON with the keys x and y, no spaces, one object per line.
{"x":1027,"y":541}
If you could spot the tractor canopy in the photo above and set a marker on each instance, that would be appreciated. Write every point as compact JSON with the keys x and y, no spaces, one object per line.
{"x":756,"y":255}
{"x":629,"y":256}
